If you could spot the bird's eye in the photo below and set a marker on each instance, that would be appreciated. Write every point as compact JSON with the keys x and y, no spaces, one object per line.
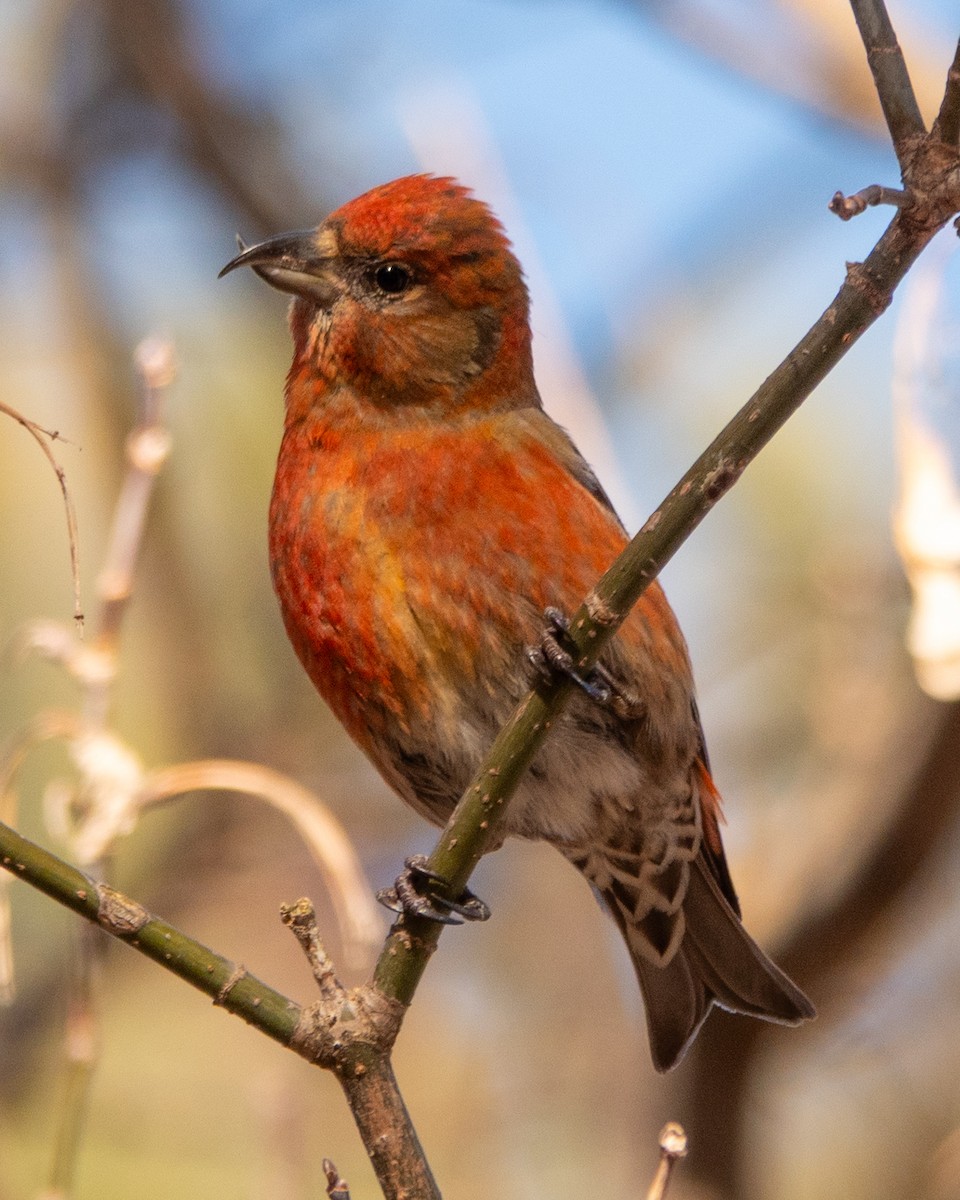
{"x":392,"y":278}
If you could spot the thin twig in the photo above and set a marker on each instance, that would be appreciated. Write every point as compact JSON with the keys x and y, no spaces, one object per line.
{"x":673,"y":1147}
{"x":947,"y":125}
{"x":301,"y":919}
{"x":846,"y":207}
{"x":337,"y":1188}
{"x":890,"y":75}
{"x":40,"y":436}
{"x":99,"y":808}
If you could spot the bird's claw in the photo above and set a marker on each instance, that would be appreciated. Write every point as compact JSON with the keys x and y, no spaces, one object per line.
{"x":414,"y":893}
{"x":551,"y":658}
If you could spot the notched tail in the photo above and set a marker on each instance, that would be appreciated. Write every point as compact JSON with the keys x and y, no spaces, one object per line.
{"x":717,"y":963}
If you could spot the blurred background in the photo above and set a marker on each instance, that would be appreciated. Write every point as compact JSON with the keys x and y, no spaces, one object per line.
{"x":664,"y":171}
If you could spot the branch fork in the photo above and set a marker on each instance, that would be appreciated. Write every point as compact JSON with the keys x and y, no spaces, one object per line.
{"x":929,"y":160}
{"x":344,"y":1026}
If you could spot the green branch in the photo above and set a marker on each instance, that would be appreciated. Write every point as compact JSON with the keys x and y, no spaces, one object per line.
{"x":229,"y":985}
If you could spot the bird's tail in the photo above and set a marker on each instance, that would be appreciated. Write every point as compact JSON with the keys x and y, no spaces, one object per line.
{"x":717,"y":962}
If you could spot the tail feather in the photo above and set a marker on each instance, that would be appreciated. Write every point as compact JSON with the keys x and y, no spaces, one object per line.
{"x":730,"y":962}
{"x":717,"y":963}
{"x":676,"y":1003}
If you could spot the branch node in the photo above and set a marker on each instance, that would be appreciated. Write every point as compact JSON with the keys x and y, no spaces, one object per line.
{"x":673,"y":1140}
{"x":600,"y":612}
{"x":118,"y":914}
{"x":339,"y":1032}
{"x":238,"y":973}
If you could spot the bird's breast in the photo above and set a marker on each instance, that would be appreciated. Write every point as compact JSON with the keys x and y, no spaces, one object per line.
{"x":391,"y":590}
{"x":413,"y":565}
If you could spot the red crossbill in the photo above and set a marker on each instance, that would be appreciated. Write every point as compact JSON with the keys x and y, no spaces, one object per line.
{"x":425,"y":514}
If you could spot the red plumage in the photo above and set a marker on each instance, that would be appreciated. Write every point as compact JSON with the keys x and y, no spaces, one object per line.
{"x":425,"y":513}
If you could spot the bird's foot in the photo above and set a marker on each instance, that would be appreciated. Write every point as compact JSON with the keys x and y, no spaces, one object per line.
{"x":551,"y":658}
{"x":415,"y":893}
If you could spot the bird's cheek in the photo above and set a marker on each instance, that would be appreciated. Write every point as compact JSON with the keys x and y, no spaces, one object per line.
{"x":445,"y":347}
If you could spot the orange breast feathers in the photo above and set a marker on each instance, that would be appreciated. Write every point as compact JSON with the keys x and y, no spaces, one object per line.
{"x":415,"y":558}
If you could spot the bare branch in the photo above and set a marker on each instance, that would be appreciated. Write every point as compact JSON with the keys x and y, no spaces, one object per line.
{"x":947,"y":124}
{"x":350,"y":1034}
{"x":890,"y":75}
{"x":227,"y":984}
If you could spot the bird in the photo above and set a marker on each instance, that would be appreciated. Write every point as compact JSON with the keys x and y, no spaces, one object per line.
{"x":426,"y":514}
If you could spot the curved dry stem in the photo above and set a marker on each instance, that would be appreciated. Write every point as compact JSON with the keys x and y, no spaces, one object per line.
{"x":47,"y":726}
{"x":358,"y":916}
{"x":39,"y":435}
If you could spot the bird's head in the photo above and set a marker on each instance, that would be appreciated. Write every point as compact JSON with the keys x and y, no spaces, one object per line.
{"x":409,"y":295}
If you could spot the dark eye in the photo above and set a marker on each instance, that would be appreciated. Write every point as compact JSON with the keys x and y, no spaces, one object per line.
{"x":392,"y":278}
